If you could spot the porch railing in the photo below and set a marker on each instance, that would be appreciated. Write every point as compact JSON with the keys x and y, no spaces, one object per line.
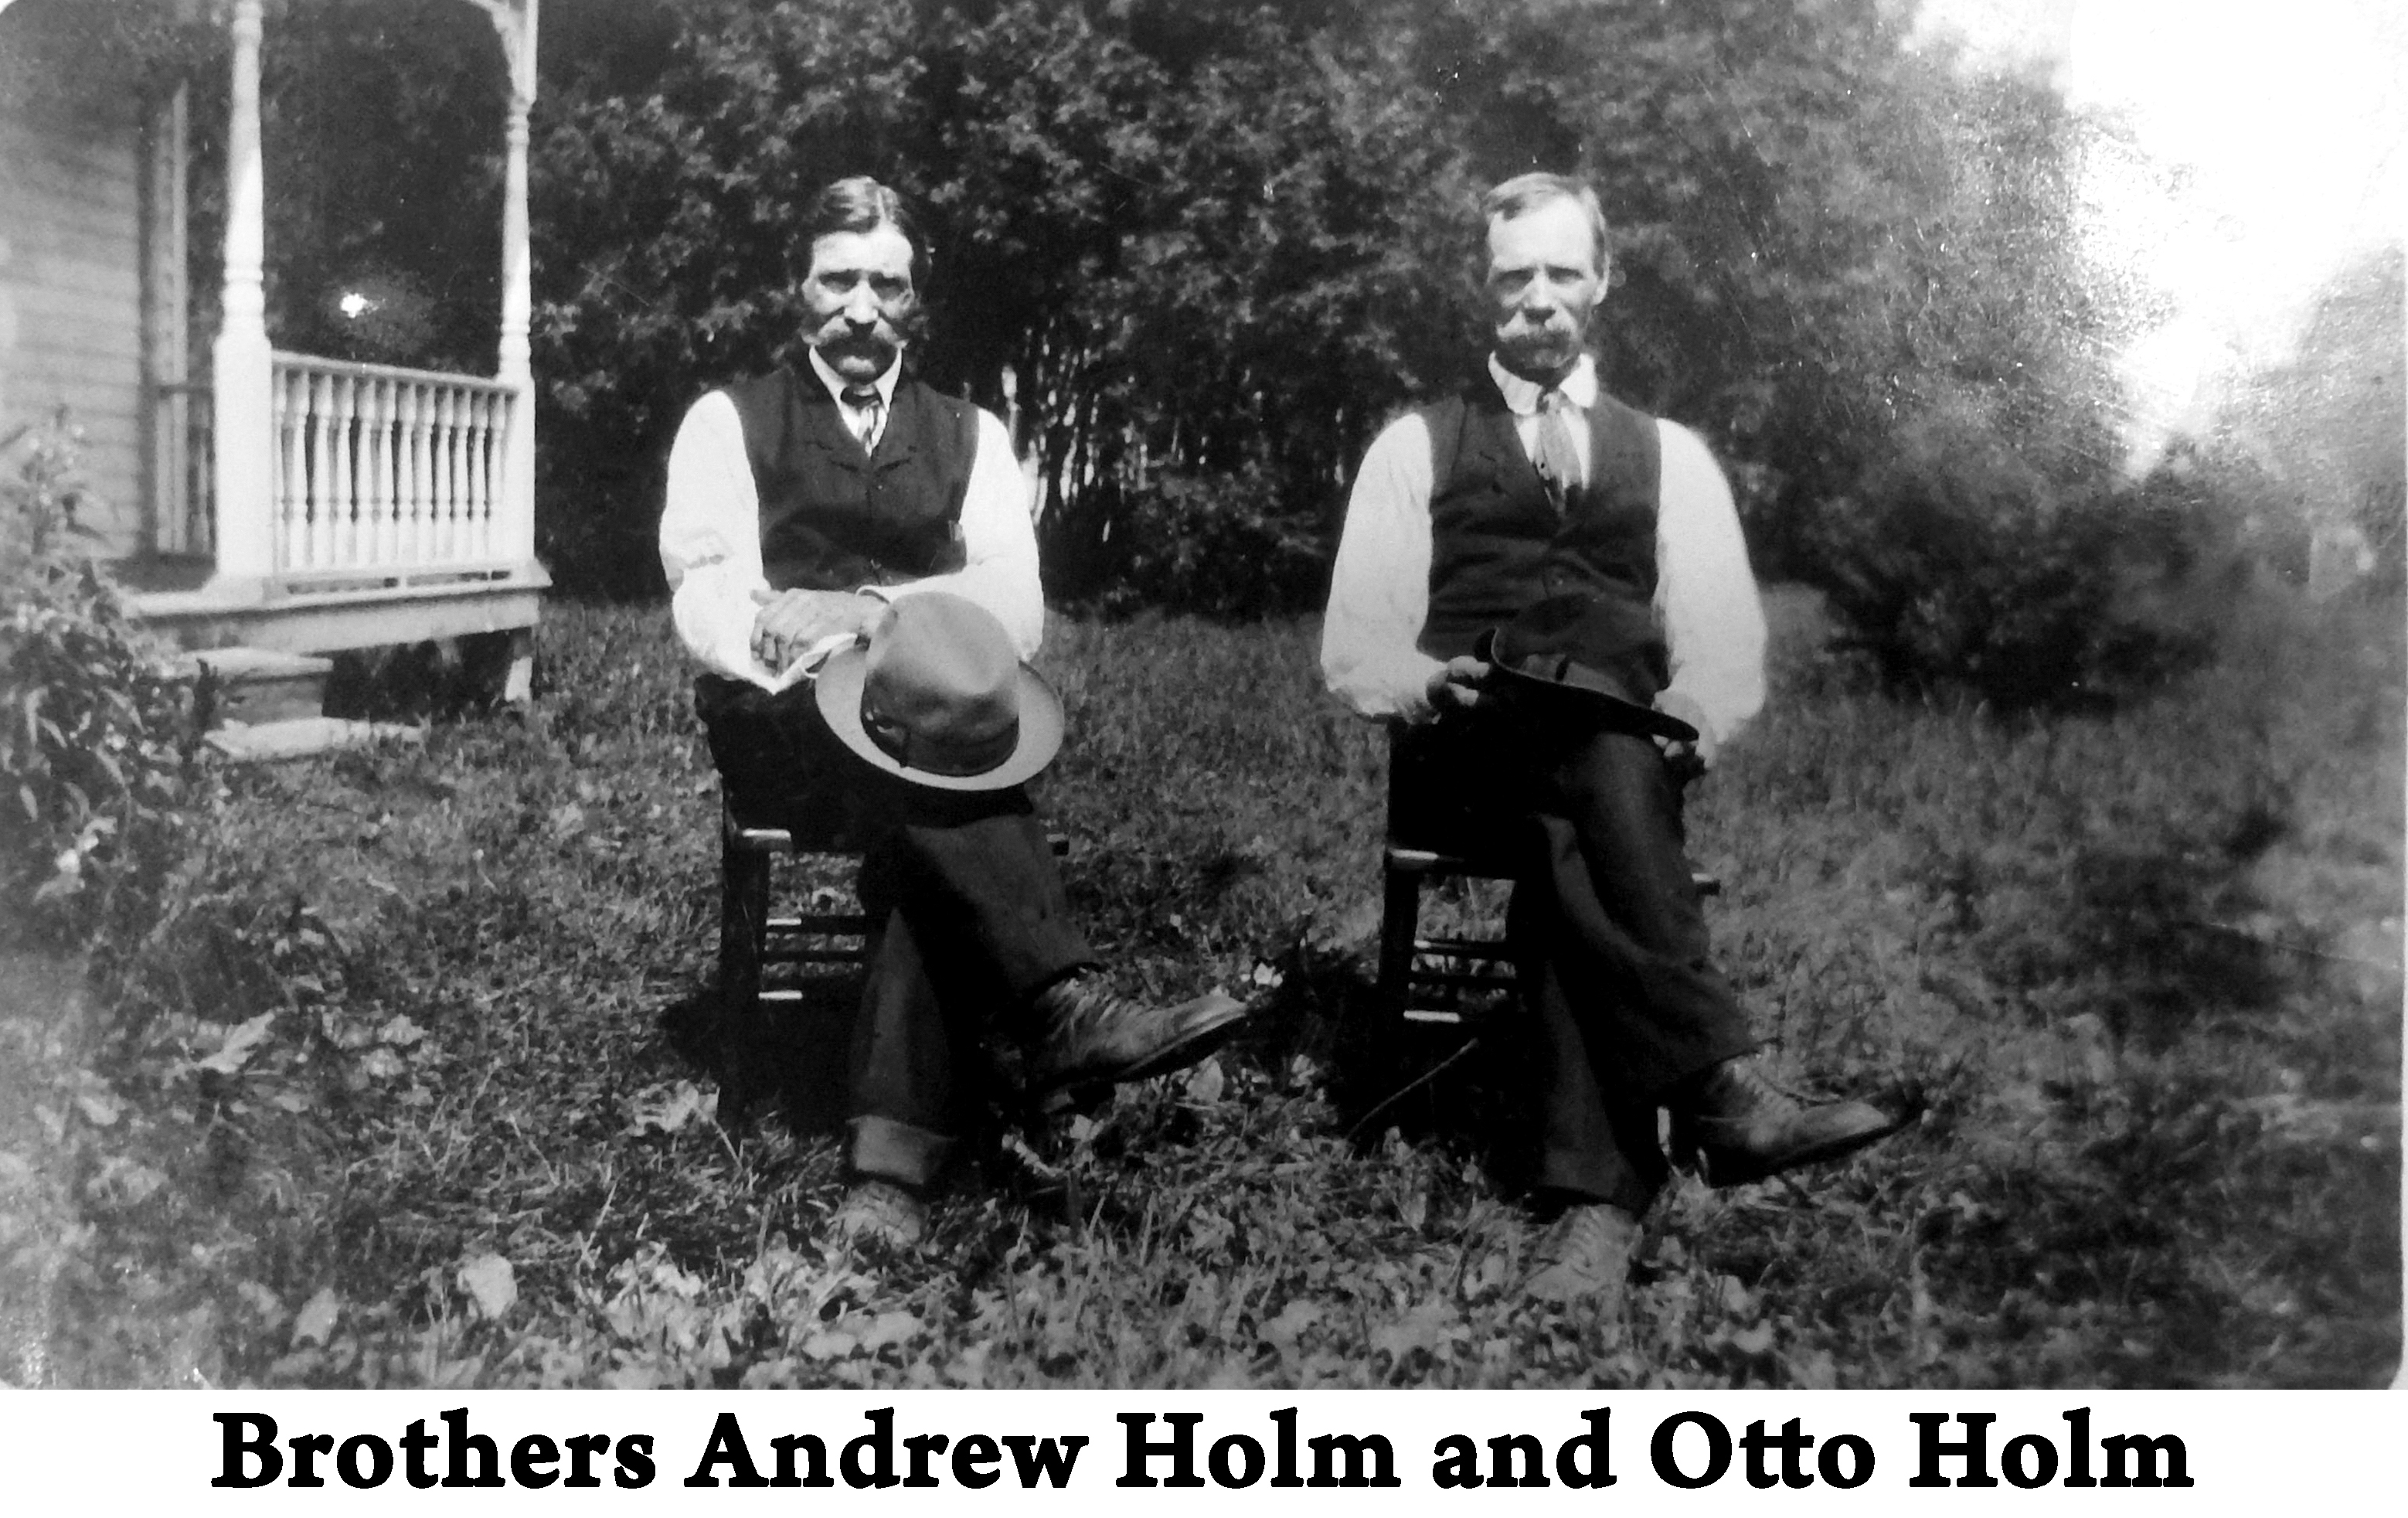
{"x":381,"y":470}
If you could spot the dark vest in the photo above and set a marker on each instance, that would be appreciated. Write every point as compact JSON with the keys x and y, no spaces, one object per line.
{"x":834,"y":518}
{"x":1498,"y":543}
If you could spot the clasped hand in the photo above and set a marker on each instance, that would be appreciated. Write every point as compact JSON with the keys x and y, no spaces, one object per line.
{"x":1456,"y":685}
{"x":791,"y":622}
{"x":1690,"y":759}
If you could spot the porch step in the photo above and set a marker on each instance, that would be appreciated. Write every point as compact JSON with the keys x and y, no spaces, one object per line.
{"x":251,"y":687}
{"x":299,"y":737}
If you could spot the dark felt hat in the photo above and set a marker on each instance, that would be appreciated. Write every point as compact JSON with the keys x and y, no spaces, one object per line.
{"x":1545,"y":654}
{"x":933,"y":695}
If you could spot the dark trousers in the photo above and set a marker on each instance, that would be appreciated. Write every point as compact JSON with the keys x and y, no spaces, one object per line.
{"x":969,"y":917}
{"x":1620,"y":1001}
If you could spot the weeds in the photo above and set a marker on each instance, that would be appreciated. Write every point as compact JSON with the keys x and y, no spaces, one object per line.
{"x":393,"y":1102}
{"x":97,"y":777}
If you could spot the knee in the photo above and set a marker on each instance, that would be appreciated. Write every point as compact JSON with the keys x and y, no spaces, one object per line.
{"x":1619,"y":774}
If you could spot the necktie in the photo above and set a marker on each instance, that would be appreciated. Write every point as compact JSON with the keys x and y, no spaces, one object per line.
{"x":870,"y":411}
{"x":1558,"y":459}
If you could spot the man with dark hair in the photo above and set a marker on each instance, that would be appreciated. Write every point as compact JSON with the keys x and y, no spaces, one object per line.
{"x":838,"y":524}
{"x":1547,"y":591}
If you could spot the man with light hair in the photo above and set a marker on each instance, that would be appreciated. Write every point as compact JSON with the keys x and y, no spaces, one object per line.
{"x":1547,"y":591}
{"x":852,"y":562}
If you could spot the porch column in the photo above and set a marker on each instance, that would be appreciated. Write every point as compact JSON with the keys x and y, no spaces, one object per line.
{"x":240,"y":364}
{"x":516,"y":23}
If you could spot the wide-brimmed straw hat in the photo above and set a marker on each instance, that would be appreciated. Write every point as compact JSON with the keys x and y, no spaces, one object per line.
{"x":1544,"y":655}
{"x":933,"y":695}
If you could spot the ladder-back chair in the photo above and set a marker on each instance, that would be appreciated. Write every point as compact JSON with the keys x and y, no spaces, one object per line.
{"x":1432,"y":838}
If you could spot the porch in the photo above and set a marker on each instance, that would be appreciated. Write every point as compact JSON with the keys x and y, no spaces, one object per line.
{"x":311,"y":505}
{"x":387,"y":513}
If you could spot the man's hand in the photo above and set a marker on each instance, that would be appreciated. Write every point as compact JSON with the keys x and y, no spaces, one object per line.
{"x":1690,"y":760}
{"x":1456,"y":686}
{"x":790,"y":622}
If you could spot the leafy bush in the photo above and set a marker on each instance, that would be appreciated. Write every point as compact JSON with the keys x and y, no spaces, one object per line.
{"x":1961,"y":561}
{"x":94,"y":732}
{"x":597,"y":519}
{"x":1218,"y":543}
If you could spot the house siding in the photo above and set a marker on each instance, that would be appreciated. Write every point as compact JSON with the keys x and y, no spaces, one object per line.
{"x":71,"y":314}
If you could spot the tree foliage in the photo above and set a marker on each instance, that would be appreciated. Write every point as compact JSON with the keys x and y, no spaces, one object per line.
{"x":2322,"y":433}
{"x":1214,"y":246}
{"x":1203,"y":242}
{"x":382,"y":132}
{"x":1201,"y":250}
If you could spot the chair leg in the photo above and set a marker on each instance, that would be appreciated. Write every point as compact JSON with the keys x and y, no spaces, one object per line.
{"x":1399,"y":925}
{"x":743,"y":928}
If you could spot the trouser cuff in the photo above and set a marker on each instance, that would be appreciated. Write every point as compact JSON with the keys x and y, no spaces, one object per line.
{"x":1565,"y":1178}
{"x":894,"y":1151}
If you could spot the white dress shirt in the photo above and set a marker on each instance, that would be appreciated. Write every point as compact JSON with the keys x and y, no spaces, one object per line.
{"x":1379,"y":596}
{"x":711,"y":539}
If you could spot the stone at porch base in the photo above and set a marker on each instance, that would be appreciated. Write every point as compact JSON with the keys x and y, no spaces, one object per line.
{"x":298,"y":738}
{"x":260,"y":685}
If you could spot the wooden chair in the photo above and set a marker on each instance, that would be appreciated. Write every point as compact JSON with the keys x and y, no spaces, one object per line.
{"x":753,"y":940}
{"x":1432,"y":838}
{"x":756,"y":942}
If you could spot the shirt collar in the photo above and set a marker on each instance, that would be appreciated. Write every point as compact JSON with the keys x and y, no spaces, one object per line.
{"x":1522,"y":396}
{"x":837,"y":384}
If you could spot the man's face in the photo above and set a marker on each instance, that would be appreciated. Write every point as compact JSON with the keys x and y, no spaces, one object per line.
{"x":859,"y":292}
{"x":1544,"y":283}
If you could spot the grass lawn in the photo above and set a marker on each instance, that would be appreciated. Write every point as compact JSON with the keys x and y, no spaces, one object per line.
{"x":391,"y":1101}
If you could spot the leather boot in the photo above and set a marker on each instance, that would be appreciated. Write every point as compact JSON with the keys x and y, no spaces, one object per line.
{"x":1745,"y":1128}
{"x":1587,"y":1253}
{"x":884,"y":1216}
{"x":1086,"y":1036}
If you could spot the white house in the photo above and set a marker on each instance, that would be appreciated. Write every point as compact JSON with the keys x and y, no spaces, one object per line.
{"x":274,"y":500}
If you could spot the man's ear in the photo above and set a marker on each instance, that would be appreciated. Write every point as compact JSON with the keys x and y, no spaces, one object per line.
{"x":911,"y":319}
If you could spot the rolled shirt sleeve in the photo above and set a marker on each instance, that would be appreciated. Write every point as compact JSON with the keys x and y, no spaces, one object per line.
{"x":1714,"y":620}
{"x":1378,"y":588}
{"x":710,"y":544}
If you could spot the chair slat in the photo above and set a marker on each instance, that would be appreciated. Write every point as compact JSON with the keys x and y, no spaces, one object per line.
{"x":822,"y":922}
{"x":779,"y":840}
{"x":790,"y":954}
{"x":1462,"y":979}
{"x":1464,"y":947}
{"x":1406,"y":861}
